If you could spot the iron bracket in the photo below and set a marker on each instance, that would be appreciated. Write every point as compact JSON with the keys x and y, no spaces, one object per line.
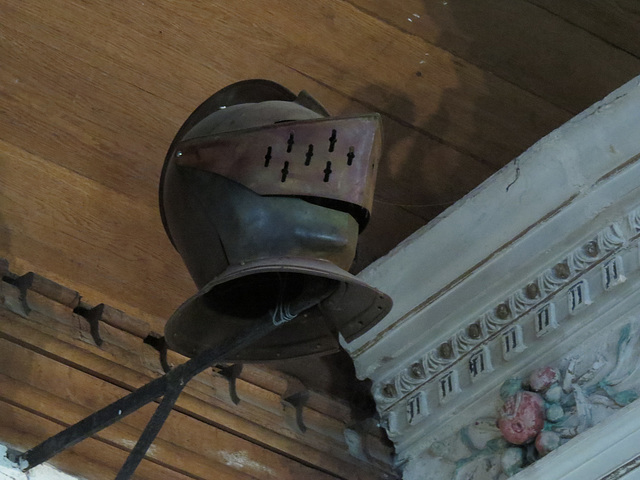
{"x":296,"y":396}
{"x":231,"y":373}
{"x":93,"y":317}
{"x":23,"y":284}
{"x":169,"y":386}
{"x":158,"y":342}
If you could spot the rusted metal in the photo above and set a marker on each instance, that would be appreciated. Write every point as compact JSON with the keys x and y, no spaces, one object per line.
{"x":231,"y":373}
{"x":159,"y":343}
{"x":169,"y":386}
{"x":352,"y":308}
{"x":23,"y":283}
{"x":92,"y":315}
{"x":264,"y":196}
{"x":294,"y":400}
{"x":4,"y":272}
{"x":351,"y":146}
{"x":41,"y":285}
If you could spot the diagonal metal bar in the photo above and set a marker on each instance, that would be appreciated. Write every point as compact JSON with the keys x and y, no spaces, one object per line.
{"x":110,"y":414}
{"x":94,"y":423}
{"x":170,"y":385}
{"x":150,"y":432}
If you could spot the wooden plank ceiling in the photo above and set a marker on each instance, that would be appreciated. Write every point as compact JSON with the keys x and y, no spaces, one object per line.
{"x":52,"y":374}
{"x":92,"y":92}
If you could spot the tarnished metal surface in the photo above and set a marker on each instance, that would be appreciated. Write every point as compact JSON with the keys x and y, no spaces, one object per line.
{"x":264,"y":200}
{"x":332,"y":158}
{"x":217,"y":222}
{"x":206,"y":319}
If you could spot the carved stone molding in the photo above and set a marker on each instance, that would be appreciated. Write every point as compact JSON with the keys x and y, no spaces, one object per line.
{"x":421,"y":369}
{"x":510,"y":278}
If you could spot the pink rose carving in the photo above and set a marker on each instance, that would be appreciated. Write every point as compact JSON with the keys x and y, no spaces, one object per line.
{"x":522,"y":417}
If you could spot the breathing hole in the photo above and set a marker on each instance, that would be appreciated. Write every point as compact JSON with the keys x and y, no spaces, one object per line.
{"x":267,"y":157}
{"x":309,"y":155}
{"x":332,"y":140}
{"x":350,"y":156}
{"x":285,"y":172}
{"x":290,"y":143}
{"x":327,"y":172}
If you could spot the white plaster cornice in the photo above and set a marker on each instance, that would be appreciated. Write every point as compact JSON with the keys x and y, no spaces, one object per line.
{"x":552,"y":177}
{"x":538,"y":261}
{"x":519,"y":303}
{"x":602,"y":303}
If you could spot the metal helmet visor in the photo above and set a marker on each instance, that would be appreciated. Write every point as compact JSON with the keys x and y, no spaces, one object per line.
{"x":333,"y":159}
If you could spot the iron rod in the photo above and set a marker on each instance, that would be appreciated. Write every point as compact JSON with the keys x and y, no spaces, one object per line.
{"x":110,"y":414}
{"x":150,"y":432}
{"x":170,"y":385}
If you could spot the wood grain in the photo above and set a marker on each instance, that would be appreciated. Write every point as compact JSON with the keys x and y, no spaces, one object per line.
{"x":94,"y":459}
{"x":616,"y":22}
{"x":325,"y":43}
{"x":106,"y":94}
{"x":529,"y":46}
{"x":122,"y":435}
{"x":91,"y":94}
{"x":186,"y":444}
{"x":95,"y":237}
{"x":123,"y":361}
{"x":105,"y":128}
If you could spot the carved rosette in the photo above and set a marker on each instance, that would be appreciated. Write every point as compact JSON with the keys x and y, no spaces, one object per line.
{"x":465,"y":340}
{"x":495,"y":319}
{"x":386,"y":393}
{"x":554,"y":278}
{"x":525,"y":298}
{"x":412,"y":377}
{"x":436,"y":362}
{"x":580,"y":259}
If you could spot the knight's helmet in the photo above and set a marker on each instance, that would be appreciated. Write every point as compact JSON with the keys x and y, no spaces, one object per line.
{"x":264,"y":194}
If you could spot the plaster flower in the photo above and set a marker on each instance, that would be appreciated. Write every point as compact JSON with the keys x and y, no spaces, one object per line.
{"x":554,"y":394}
{"x":521,"y":417}
{"x":546,"y":442}
{"x":555,"y":412}
{"x":543,"y":378}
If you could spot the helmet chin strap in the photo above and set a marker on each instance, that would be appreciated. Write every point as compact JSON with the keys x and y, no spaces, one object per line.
{"x":286,"y":311}
{"x":282,"y":314}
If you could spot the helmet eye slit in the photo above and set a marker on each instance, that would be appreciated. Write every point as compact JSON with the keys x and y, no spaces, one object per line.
{"x":290,"y":143}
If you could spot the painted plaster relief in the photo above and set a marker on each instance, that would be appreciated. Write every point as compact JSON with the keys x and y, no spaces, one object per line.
{"x":613,"y":273}
{"x":546,"y":319}
{"x":543,"y":410}
{"x":504,"y":316}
